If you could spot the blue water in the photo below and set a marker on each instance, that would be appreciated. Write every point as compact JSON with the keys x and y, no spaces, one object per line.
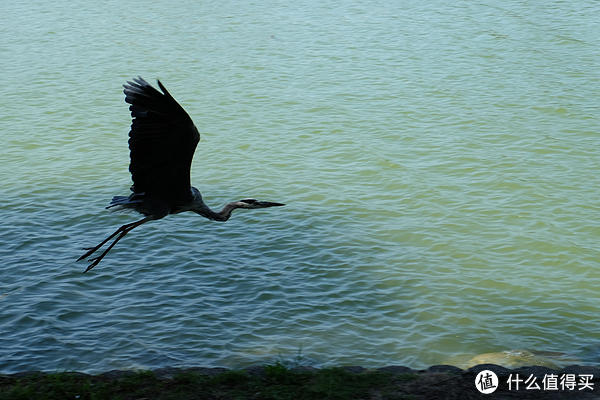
{"x":439,"y":162}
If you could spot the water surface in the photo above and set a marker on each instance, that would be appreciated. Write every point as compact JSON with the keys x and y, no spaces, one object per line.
{"x":439,"y":162}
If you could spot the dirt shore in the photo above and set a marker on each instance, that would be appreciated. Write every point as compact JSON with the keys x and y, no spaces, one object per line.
{"x":437,"y":382}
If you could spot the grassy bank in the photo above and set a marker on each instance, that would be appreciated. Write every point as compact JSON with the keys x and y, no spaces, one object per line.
{"x":274,"y":382}
{"x":280,"y":381}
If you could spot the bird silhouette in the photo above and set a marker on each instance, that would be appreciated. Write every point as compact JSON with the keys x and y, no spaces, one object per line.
{"x":162,"y":142}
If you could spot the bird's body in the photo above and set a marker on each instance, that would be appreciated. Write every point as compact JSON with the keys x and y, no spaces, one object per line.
{"x":162,"y":142}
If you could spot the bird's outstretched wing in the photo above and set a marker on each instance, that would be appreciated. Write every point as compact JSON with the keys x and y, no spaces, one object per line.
{"x":162,"y":142}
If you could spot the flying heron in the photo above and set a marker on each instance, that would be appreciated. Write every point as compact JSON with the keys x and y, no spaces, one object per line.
{"x":162,"y":142}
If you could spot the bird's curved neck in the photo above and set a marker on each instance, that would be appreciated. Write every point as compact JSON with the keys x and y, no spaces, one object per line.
{"x":199,"y":207}
{"x":220,"y":216}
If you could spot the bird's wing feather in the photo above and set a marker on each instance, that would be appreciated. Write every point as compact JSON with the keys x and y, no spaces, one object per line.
{"x":162,"y":142}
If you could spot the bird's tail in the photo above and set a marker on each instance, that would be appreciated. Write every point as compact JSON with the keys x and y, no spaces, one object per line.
{"x":122,"y":204}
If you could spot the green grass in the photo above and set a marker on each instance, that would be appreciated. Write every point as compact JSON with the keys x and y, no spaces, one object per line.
{"x":279,"y":382}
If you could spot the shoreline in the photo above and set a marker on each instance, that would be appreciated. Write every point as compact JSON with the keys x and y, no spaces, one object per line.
{"x":166,"y":373}
{"x":392,"y":382}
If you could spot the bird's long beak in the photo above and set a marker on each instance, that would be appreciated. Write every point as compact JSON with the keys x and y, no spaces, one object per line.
{"x":270,"y":204}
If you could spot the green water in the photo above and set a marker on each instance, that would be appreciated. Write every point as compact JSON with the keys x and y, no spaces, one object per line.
{"x":439,"y":162}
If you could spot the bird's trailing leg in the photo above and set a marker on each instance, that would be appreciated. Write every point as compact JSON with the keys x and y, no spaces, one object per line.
{"x":122,"y":231}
